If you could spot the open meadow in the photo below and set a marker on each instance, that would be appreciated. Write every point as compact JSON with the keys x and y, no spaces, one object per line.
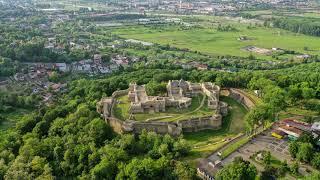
{"x":207,"y":39}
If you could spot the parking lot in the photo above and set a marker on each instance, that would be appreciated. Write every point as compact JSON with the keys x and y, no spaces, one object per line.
{"x":279,"y":148}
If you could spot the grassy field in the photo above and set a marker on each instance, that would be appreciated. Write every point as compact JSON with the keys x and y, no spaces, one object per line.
{"x":196,"y":109}
{"x":206,"y":142}
{"x":210,"y":41}
{"x":298,"y":112}
{"x":121,"y":110}
{"x":235,"y":115}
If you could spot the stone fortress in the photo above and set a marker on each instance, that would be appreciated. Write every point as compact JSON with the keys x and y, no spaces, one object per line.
{"x":142,"y":103}
{"x":179,"y":95}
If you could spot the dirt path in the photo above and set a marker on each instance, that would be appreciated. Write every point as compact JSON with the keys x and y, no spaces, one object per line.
{"x":197,"y":109}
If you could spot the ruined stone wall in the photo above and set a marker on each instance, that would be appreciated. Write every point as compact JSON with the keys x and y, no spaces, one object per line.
{"x":158,"y":127}
{"x":172,"y":128}
{"x":120,"y":93}
{"x":223,"y":108}
{"x":241,"y":98}
{"x":115,"y":124}
{"x":202,"y":123}
{"x":176,"y":128}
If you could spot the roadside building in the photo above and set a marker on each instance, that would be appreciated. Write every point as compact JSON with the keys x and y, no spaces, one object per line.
{"x":62,"y":67}
{"x":316,"y":127}
{"x":114,"y":67}
{"x":202,"y":67}
{"x":19,"y":77}
{"x":104,"y":70}
{"x":293,"y":133}
{"x":97,"y":58}
{"x":297,"y":124}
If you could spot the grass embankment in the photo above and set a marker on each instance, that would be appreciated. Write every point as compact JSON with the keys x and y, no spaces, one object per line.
{"x":233,"y":147}
{"x":208,"y":141}
{"x":256,"y":100}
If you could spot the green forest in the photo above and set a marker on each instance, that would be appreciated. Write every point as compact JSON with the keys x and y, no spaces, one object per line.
{"x":58,"y":59}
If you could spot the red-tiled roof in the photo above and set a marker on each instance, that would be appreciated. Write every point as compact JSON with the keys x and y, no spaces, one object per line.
{"x":297,"y":124}
{"x":292,"y":129}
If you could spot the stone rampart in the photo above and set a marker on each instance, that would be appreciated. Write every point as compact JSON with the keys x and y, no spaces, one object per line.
{"x":241,"y":98}
{"x":201,"y":123}
{"x":172,"y":128}
{"x":116,"y":124}
{"x":120,"y":93}
{"x":158,"y":127}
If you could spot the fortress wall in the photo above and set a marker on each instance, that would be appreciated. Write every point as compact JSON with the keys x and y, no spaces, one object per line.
{"x":223,"y":108}
{"x":116,"y":124}
{"x":206,"y":91}
{"x":198,"y":124}
{"x":158,"y":127}
{"x":241,"y":98}
{"x":120,"y":93}
{"x":172,"y":128}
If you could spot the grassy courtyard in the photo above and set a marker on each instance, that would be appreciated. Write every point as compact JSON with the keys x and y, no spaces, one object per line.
{"x":198,"y":108}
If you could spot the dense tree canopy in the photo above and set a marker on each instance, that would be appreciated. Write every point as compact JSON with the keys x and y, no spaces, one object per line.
{"x":239,"y":169}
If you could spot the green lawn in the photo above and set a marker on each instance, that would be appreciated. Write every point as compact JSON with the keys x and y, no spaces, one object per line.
{"x":231,"y":148}
{"x":297,"y":112}
{"x":121,"y":111}
{"x":209,"y":40}
{"x":235,"y":115}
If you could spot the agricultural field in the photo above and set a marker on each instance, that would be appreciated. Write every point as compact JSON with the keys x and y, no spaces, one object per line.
{"x":297,"y":112}
{"x":207,"y":39}
{"x":198,"y":108}
{"x":76,"y":5}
